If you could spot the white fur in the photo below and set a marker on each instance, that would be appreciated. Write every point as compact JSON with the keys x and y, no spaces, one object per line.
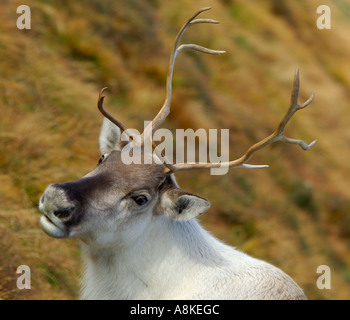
{"x":180,"y":260}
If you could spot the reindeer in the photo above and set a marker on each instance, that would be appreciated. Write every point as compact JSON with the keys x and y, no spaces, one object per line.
{"x":138,"y":228}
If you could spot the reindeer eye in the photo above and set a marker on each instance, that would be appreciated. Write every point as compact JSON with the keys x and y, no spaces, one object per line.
{"x":101,"y":159}
{"x":140,"y":200}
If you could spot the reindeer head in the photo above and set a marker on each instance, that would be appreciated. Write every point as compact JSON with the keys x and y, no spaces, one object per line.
{"x":116,"y":202}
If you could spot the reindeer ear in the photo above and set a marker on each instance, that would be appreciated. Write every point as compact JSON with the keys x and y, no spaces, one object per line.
{"x":109,"y":137}
{"x":182,"y":205}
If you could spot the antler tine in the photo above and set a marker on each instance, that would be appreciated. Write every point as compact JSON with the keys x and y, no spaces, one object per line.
{"x":294,"y":107}
{"x":101,"y":98}
{"x":165,"y":110}
{"x":123,"y":128}
{"x":277,"y":135}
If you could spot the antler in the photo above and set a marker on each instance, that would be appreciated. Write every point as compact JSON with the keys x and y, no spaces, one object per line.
{"x":165,"y":110}
{"x":100,"y":100}
{"x":277,"y":135}
{"x":124,"y":128}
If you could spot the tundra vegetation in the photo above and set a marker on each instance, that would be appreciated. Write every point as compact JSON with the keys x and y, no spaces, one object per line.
{"x":295,"y":214}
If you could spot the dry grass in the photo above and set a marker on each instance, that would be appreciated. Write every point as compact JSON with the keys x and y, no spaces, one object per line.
{"x":295,"y":214}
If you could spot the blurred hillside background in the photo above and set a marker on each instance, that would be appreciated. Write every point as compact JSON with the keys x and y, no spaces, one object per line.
{"x":296,"y":214}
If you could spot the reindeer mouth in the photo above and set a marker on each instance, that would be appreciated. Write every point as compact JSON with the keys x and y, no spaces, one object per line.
{"x":51,"y":228}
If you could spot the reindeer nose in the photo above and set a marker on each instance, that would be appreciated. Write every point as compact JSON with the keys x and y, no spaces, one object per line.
{"x":63,"y":213}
